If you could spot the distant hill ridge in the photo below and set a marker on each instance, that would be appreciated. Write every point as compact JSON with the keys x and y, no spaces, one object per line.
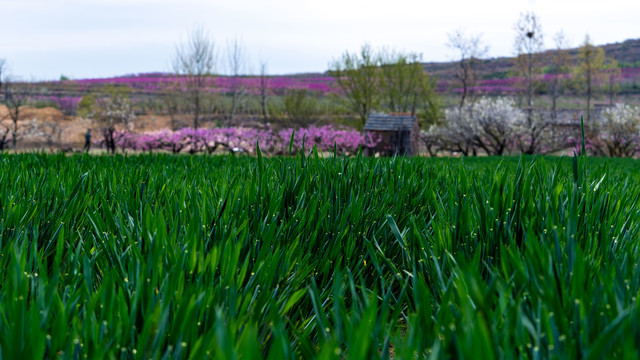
{"x":626,"y":53}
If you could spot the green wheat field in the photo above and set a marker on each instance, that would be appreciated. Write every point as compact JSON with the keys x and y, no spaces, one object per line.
{"x":195,"y":257}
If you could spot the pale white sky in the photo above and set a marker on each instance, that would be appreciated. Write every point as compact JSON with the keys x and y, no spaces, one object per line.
{"x":43,"y":39}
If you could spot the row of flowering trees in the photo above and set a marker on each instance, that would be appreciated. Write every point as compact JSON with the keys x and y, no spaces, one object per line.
{"x":496,"y":126}
{"x":239,"y":139}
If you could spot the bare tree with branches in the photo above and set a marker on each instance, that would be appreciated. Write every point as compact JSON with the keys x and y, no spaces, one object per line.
{"x":6,"y":130}
{"x":52,"y":133}
{"x":236,"y":65}
{"x":469,"y":49}
{"x":560,"y":62}
{"x":15,"y":97}
{"x":195,"y":61}
{"x":528,"y":46}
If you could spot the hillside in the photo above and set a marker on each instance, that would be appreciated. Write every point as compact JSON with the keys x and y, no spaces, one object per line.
{"x":495,"y":77}
{"x":626,"y":53}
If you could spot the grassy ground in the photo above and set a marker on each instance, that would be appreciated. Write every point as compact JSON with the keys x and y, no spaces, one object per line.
{"x":158,"y":256}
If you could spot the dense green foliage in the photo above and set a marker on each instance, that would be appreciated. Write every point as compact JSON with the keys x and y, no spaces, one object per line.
{"x":233,"y":257}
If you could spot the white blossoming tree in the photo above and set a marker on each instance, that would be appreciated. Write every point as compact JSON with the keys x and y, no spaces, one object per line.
{"x":111,"y":111}
{"x":457,"y":133}
{"x":432,"y":140}
{"x":490,"y":125}
{"x":617,"y":132}
{"x":496,"y":122}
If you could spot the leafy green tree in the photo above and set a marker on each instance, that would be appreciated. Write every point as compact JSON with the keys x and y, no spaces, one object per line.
{"x":611,"y":75}
{"x":589,"y":71}
{"x":388,"y":80}
{"x":298,"y":105}
{"x":404,"y":86}
{"x":358,"y":76}
{"x":429,"y":108}
{"x":85,"y":105}
{"x":400,"y":78}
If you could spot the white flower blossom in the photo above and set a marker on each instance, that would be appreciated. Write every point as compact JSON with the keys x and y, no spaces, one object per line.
{"x":621,"y":114}
{"x":617,"y":132}
{"x":489,"y":124}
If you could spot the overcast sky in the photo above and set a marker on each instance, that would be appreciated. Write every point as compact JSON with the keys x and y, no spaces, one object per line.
{"x":44,"y":39}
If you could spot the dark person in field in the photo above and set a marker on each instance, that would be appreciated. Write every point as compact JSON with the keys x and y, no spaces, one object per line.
{"x":87,"y":140}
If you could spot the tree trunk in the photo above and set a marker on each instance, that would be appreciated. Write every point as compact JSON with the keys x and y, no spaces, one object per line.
{"x":263,"y":103}
{"x":588,"y":78}
{"x":15,"y":126}
{"x":554,"y":99}
{"x":197,"y":109}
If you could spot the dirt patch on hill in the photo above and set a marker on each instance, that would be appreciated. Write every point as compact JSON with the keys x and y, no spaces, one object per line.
{"x":29,"y":113}
{"x":38,"y":127}
{"x":75,"y":128}
{"x":49,"y":128}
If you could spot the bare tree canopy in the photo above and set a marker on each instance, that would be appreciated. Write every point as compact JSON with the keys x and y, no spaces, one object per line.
{"x":560,"y":67}
{"x":15,"y":97}
{"x":529,"y":36}
{"x":236,"y":62}
{"x":196,"y":56}
{"x":469,"y":49}
{"x":528,"y":46}
{"x":195,"y":59}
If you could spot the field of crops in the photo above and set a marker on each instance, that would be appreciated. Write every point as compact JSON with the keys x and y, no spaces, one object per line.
{"x":194,"y":257}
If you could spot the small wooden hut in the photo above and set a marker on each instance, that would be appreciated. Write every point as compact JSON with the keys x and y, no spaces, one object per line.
{"x":399,"y":134}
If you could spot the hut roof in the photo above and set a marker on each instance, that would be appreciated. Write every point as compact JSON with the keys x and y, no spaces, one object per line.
{"x":386,"y":122}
